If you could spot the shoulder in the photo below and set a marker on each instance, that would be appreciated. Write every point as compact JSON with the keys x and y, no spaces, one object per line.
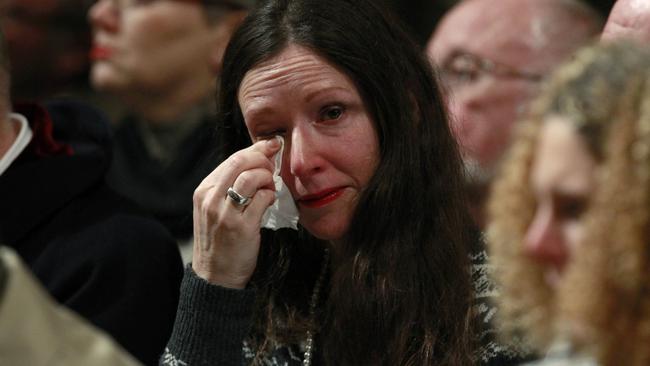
{"x":115,"y":223}
{"x":102,"y":229}
{"x":491,"y":350}
{"x":75,"y":122}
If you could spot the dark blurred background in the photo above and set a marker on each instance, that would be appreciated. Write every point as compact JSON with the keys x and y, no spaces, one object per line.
{"x":49,"y":40}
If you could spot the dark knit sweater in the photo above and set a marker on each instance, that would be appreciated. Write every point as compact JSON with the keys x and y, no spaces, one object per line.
{"x":211,"y":324}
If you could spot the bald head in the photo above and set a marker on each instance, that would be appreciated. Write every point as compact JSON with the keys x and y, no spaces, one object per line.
{"x":629,"y":19}
{"x":535,"y":34}
{"x":492,"y":55}
{"x":525,"y":37}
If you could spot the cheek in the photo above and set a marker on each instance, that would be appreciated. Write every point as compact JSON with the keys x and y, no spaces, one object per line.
{"x":361,"y":156}
{"x":368,"y":162}
{"x":508,"y":100}
{"x":285,"y":173}
{"x":574,"y":233}
{"x":142,"y":31}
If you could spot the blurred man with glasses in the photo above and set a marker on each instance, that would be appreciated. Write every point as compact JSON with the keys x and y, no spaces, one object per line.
{"x":161,"y":59}
{"x":492,"y":56}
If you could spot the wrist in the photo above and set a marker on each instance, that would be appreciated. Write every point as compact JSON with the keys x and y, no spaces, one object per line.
{"x":219,"y":279}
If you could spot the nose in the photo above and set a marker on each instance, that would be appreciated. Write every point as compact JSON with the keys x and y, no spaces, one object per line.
{"x":471,"y":95}
{"x":104,"y":15}
{"x":544,"y":241}
{"x":303,"y":155}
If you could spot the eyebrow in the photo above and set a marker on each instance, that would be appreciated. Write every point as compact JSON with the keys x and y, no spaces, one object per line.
{"x":255,"y":113}
{"x":264,"y":110}
{"x":452,"y":54}
{"x":310,"y":96}
{"x":569,"y":195}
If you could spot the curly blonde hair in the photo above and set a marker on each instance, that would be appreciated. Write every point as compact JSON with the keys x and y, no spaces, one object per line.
{"x":605,"y":92}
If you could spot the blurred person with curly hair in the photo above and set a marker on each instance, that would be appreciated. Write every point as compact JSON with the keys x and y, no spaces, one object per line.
{"x":569,"y":214}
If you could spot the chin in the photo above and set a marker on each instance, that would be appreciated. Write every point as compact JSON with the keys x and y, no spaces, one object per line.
{"x":103,"y":78}
{"x":327,"y":231}
{"x":552,"y":278}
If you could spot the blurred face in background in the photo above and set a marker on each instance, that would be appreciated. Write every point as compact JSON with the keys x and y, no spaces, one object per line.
{"x":150,"y":46}
{"x":486,"y":63}
{"x":491,"y":55}
{"x":561,"y":180}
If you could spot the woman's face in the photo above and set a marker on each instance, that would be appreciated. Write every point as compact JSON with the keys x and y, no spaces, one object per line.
{"x":331,"y":146}
{"x":150,"y":45}
{"x":561,"y":179}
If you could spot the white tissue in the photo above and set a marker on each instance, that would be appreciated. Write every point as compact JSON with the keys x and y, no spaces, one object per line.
{"x":283,"y":212}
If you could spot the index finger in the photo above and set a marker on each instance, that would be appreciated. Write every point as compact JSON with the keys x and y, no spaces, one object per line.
{"x":258,"y":155}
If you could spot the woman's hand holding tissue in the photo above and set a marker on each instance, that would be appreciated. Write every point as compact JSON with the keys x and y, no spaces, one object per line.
{"x":227,"y":233}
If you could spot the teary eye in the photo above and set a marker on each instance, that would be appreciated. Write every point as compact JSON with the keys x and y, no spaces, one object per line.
{"x":265,"y":135}
{"x":461,"y":69}
{"x":331,"y":113}
{"x":571,"y":207}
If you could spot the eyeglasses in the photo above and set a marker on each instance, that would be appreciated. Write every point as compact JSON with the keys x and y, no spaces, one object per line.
{"x":464,"y":68}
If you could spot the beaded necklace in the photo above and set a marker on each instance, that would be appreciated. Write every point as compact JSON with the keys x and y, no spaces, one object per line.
{"x":309,"y":344}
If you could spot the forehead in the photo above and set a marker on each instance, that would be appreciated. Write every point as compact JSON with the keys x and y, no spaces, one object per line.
{"x":297,"y":68}
{"x":506,"y":32}
{"x":562,"y":160}
{"x":635,"y":6}
{"x":629,"y":19}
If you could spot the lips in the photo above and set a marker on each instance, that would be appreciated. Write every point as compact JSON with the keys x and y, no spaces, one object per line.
{"x":100,"y":53}
{"x":321,"y":199}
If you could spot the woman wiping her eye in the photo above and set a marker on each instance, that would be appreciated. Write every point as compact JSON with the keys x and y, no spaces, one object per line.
{"x":377,"y":272}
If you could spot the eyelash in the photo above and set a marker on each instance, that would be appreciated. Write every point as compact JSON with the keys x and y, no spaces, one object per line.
{"x":335,"y":107}
{"x":322,"y":115}
{"x":269,"y":135}
{"x":572,"y":209}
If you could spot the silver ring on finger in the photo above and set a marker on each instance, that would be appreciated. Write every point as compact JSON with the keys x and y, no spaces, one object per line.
{"x":237,"y":198}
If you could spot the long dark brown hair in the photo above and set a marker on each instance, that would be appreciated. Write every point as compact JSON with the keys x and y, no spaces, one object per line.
{"x":400,"y":294}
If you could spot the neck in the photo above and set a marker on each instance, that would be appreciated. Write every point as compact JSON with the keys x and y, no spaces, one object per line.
{"x":163,"y":139}
{"x":169,"y":104}
{"x":8,"y":133}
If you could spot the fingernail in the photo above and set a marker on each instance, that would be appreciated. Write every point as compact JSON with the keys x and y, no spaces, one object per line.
{"x":273,"y":143}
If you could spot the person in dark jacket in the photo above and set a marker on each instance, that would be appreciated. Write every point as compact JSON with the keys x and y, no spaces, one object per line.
{"x":360,"y":154}
{"x":92,"y":249}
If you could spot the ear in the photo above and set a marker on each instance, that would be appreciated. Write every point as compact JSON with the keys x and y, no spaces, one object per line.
{"x":222,"y":33}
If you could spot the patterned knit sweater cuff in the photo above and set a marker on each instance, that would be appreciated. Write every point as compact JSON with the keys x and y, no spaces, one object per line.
{"x":211,"y":324}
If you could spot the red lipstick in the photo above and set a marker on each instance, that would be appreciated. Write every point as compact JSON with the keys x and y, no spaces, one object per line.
{"x":100,"y":53}
{"x":320,"y":199}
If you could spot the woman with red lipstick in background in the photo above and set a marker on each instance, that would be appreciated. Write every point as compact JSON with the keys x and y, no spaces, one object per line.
{"x":377,"y":272}
{"x":570,"y":213}
{"x":161,"y":60}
